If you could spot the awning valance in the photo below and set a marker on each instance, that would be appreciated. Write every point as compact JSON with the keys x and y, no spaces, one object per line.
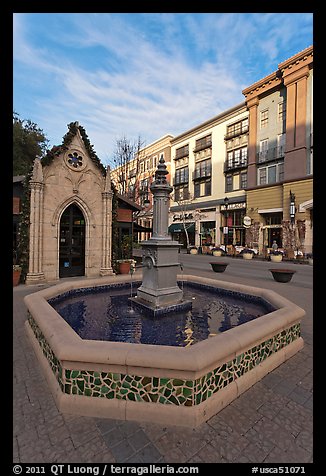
{"x":179,"y":228}
{"x":140,"y":228}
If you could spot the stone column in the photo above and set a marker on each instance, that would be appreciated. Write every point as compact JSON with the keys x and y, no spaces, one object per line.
{"x":35,"y":270}
{"x":296,"y":123}
{"x":161,"y":190}
{"x":106,"y":268}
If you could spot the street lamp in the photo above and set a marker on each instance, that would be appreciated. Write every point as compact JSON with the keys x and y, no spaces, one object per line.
{"x":226,"y":239}
{"x":292,"y":207}
{"x":146,"y":200}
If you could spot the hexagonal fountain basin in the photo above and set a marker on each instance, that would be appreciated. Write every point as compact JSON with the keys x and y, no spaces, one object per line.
{"x":134,"y":381}
{"x":106,"y":313}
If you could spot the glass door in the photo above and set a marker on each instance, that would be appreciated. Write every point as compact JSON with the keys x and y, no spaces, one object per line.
{"x":72,"y":243}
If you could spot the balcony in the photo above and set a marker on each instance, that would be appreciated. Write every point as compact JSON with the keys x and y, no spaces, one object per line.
{"x":182,"y":152}
{"x":180,"y":179}
{"x":204,"y":143}
{"x":202,"y":173}
{"x":238,"y":132}
{"x":235,"y":164}
{"x":271,"y":154}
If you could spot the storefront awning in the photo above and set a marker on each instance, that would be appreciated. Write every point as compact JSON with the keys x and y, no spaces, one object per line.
{"x":140,"y":228}
{"x":179,"y":228}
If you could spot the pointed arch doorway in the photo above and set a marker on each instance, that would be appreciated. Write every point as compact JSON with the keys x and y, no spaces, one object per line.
{"x":72,"y":243}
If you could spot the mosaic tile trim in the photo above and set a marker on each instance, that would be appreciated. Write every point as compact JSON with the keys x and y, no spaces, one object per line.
{"x":54,"y":363}
{"x":162,"y":390}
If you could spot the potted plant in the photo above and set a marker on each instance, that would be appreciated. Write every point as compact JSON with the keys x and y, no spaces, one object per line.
{"x":16,"y":272}
{"x":282,"y":275}
{"x":217,"y":251}
{"x":125,"y":253}
{"x":193,"y":250}
{"x":126,"y":266}
{"x":309,"y":257}
{"x":219,"y":267}
{"x":247,"y":253}
{"x":276,"y":256}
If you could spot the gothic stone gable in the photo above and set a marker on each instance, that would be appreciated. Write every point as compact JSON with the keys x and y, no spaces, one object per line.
{"x":72,"y":177}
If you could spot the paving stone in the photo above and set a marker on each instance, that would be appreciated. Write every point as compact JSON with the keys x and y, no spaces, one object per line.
{"x":270,"y":422}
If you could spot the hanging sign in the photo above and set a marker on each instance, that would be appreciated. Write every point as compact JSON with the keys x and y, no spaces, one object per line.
{"x":246,"y":221}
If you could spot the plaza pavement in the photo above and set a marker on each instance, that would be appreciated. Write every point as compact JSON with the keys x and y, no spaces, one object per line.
{"x":272,"y":422}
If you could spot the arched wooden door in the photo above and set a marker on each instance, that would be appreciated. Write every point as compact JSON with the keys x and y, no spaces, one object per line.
{"x":72,"y":243}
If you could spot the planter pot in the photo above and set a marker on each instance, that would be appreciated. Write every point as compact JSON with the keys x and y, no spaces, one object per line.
{"x":193,"y":251}
{"x":247,"y":255}
{"x":219,"y":267}
{"x":276,"y":258}
{"x":282,"y":275}
{"x":217,"y":253}
{"x":124,"y":268}
{"x":16,"y":277}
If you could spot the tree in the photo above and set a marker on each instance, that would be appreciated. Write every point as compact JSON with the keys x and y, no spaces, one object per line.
{"x":126,"y":160}
{"x":29,"y":141}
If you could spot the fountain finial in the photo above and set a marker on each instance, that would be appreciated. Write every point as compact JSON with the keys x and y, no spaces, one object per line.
{"x":161,"y":172}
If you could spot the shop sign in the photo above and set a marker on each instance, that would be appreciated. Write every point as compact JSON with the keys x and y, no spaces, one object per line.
{"x":234,"y":206}
{"x":186,"y":216}
{"x":246,"y":221}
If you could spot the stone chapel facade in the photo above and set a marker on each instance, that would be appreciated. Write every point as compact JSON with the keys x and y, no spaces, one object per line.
{"x":70,"y":214}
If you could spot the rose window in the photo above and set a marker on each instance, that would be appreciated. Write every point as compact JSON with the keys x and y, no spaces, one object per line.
{"x":75,"y":160}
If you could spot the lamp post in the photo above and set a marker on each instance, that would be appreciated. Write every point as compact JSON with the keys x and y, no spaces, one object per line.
{"x":226,"y":239}
{"x":292,"y":207}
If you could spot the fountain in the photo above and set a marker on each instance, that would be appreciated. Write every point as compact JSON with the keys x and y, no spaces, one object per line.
{"x":159,"y":292}
{"x":132,"y":380}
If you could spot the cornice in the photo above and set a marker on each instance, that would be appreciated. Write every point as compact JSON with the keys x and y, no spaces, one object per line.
{"x":302,"y":58}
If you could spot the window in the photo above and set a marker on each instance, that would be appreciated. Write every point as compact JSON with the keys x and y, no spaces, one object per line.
{"x":243,"y":180}
{"x":181,"y":193}
{"x":237,"y":158}
{"x":197,"y":189}
{"x":202,"y":169}
{"x":237,"y":128}
{"x":207,"y":187}
{"x":263,"y":150}
{"x":264,"y":119}
{"x":203,"y":143}
{"x":280,"y":145}
{"x":281,"y":111}
{"x":271,"y":174}
{"x":229,"y":183}
{"x":181,"y":175}
{"x":182,"y":151}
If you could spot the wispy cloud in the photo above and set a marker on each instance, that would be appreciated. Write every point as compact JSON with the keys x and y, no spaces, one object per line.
{"x":140,"y":74}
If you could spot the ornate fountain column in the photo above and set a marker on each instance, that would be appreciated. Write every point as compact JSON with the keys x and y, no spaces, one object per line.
{"x":35,"y":269}
{"x":159,"y":288}
{"x":106,"y":268}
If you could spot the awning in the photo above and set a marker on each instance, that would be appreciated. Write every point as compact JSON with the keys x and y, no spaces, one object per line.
{"x":140,"y":228}
{"x":179,"y":228}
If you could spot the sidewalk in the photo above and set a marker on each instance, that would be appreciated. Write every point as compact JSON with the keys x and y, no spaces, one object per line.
{"x":270,"y":423}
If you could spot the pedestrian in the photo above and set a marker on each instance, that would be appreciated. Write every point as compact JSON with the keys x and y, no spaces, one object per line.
{"x":274,"y":245}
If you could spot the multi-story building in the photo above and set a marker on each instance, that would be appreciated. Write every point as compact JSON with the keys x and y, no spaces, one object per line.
{"x":208,"y":163}
{"x":133,"y":179}
{"x":280,"y":168}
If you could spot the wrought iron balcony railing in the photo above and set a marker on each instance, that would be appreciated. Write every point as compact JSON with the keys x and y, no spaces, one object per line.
{"x":273,"y":153}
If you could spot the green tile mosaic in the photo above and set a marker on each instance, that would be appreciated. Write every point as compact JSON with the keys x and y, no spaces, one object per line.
{"x":161,"y":390}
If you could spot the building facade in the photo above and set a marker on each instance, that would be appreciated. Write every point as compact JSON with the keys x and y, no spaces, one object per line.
{"x":70,"y":231}
{"x":209,"y":162}
{"x":280,"y":157}
{"x":139,"y":173}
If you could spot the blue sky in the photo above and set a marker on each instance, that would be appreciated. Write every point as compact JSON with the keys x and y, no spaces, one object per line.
{"x":143,"y":74}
